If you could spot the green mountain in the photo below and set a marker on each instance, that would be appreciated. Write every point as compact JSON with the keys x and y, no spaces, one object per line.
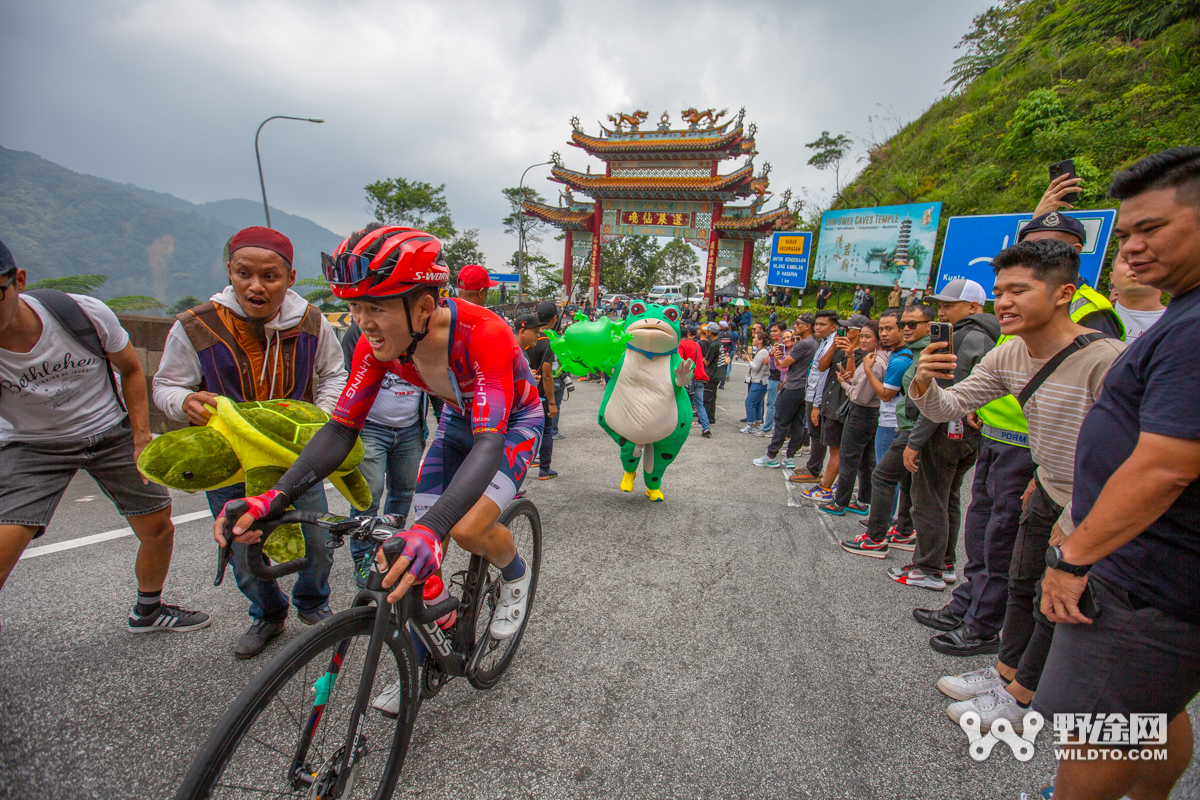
{"x":58,"y":222}
{"x":1104,"y":82}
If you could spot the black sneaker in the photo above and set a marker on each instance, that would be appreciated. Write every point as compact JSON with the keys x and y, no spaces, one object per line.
{"x":168,"y":618}
{"x":313,"y":617}
{"x":255,"y":639}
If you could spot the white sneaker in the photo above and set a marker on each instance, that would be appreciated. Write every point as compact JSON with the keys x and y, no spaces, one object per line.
{"x":992,"y":705}
{"x":747,"y":429}
{"x":763,"y":461}
{"x":970,"y":684}
{"x":388,"y":701}
{"x":514,"y":601}
{"x":790,"y":463}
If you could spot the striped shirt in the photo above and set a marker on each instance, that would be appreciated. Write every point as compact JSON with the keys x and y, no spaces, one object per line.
{"x":1055,"y":412}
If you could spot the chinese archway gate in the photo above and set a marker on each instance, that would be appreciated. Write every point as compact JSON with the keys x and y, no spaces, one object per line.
{"x":665,"y":183}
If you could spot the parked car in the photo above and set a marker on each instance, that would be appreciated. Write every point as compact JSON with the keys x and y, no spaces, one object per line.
{"x":672,"y":297}
{"x":612,"y":299}
{"x":656,"y":294}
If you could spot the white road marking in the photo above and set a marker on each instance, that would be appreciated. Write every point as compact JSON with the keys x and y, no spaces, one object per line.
{"x":96,"y":538}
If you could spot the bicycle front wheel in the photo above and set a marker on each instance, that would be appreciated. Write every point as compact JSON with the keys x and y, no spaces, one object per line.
{"x":493,"y":656}
{"x":284,"y":734}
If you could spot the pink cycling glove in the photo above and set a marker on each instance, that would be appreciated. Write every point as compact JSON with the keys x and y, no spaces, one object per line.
{"x":271,"y":501}
{"x":420,"y":546}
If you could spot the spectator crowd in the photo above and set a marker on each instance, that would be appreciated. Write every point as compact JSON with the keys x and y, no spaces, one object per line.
{"x":1077,"y":414}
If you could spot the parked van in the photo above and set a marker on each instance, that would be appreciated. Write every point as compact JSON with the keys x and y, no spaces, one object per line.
{"x":656,"y":294}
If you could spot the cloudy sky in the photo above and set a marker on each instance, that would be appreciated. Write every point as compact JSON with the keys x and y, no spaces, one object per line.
{"x":166,"y":94}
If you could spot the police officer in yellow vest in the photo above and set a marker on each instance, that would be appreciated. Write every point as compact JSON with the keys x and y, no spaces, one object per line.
{"x":972,"y":621}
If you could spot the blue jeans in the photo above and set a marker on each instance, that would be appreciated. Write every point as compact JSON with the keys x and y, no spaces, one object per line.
{"x":311,"y":590}
{"x":696,"y":395}
{"x":754,"y":402}
{"x":769,"y":412}
{"x":883,"y":440}
{"x":391,"y":457}
{"x":560,"y":388}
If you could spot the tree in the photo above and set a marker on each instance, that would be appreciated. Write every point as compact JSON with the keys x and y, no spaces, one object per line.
{"x":830,"y":152}
{"x":984,"y":46}
{"x":463,"y":249}
{"x":629,"y":264}
{"x":414,"y":204}
{"x":88,"y":284}
{"x":322,"y":297}
{"x":527,"y":229}
{"x":185,"y":303}
{"x":678,"y":261}
{"x":758,"y":265}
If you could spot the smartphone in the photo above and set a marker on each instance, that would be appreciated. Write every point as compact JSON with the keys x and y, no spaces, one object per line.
{"x":842,"y":332}
{"x":1066,"y":167}
{"x":942,"y":332}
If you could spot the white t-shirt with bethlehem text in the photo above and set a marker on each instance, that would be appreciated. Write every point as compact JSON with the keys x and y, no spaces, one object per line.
{"x":59,"y":390}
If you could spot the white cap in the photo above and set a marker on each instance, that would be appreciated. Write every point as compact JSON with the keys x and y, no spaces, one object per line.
{"x":961,"y":290}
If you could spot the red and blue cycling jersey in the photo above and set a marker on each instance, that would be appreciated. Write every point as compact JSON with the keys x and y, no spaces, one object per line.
{"x":489,"y":375}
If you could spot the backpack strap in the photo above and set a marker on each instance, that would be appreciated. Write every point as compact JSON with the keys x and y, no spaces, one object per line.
{"x":1077,"y":344}
{"x":71,"y":316}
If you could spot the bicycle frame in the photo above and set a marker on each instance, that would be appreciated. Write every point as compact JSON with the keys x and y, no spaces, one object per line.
{"x":389,"y":620}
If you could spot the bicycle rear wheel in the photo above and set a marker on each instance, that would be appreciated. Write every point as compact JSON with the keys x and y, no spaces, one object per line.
{"x":521,"y":517}
{"x":251,"y":751}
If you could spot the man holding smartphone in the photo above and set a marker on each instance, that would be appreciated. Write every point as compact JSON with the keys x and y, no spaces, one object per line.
{"x":1056,"y":367}
{"x":940,"y":455}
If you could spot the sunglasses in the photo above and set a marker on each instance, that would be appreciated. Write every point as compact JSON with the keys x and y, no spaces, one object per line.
{"x":12,"y":277}
{"x":910,"y":324}
{"x":345,"y":269}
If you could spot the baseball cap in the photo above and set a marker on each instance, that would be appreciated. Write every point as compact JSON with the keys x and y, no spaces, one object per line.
{"x":713,"y":327}
{"x":7,"y":262}
{"x":857,"y":321}
{"x":961,"y":290}
{"x":473,"y":277}
{"x":547,"y":312}
{"x":807,"y":318}
{"x":1054,"y":221}
{"x":724,"y":324}
{"x":526,"y":321}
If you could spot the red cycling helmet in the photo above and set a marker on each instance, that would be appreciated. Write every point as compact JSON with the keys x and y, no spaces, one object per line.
{"x":388,"y":261}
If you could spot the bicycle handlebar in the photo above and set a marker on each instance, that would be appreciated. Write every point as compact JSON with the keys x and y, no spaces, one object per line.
{"x":359,"y":528}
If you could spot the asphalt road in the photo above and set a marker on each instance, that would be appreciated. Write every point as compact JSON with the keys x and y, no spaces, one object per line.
{"x":716,"y":645}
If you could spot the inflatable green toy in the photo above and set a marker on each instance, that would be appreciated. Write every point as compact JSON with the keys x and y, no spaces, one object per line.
{"x":588,"y":347}
{"x":252,"y":443}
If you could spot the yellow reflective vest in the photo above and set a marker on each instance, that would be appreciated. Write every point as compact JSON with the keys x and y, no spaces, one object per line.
{"x":1003,"y":420}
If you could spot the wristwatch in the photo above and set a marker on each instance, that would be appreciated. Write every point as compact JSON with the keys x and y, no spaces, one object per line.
{"x":1054,"y":560}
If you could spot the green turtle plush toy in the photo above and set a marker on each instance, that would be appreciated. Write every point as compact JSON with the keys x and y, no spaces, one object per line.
{"x":646,"y":409}
{"x":252,"y":443}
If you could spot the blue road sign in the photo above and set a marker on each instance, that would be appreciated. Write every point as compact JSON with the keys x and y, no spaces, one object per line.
{"x":972,"y":241}
{"x":790,"y":251}
{"x":504,"y":277}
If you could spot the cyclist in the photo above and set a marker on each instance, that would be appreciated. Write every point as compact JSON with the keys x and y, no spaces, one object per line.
{"x":488,"y":433}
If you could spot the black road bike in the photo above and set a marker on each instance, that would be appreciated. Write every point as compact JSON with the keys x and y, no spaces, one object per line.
{"x":304,"y":728}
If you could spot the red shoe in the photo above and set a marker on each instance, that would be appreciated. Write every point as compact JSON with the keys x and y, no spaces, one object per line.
{"x":900,"y":541}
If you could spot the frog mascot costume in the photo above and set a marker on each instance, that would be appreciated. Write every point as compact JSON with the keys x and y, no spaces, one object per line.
{"x":252,"y":443}
{"x":646,"y":409}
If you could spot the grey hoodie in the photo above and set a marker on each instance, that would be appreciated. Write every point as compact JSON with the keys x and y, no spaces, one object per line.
{"x":179,"y":372}
{"x":974,"y":336}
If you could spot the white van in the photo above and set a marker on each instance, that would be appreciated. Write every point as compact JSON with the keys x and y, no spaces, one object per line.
{"x":656,"y":294}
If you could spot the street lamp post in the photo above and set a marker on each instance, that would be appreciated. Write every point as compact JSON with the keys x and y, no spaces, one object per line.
{"x":258,"y":157}
{"x":521,"y":230}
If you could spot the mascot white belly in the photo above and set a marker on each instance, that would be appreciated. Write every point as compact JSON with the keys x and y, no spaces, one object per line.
{"x":641,"y":407}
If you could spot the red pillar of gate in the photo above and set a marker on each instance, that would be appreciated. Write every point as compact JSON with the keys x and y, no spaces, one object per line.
{"x":568,"y":263}
{"x":594,"y":291}
{"x":747,"y":258}
{"x":710,"y":277}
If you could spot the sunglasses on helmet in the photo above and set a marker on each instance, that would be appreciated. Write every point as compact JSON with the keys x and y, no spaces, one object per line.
{"x":345,"y":269}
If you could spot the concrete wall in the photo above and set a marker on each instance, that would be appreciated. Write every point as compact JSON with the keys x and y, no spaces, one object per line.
{"x":148,"y":335}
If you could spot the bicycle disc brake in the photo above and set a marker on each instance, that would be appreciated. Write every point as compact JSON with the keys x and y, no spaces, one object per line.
{"x":326,"y":776}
